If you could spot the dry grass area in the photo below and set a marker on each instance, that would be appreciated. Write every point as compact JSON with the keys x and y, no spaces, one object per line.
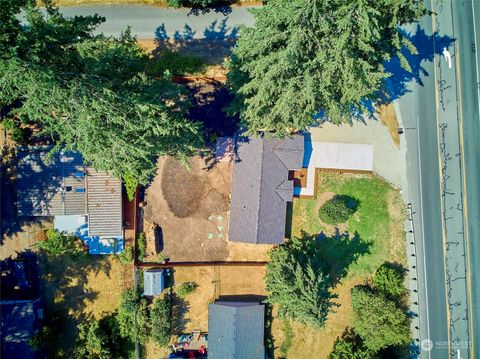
{"x":212,"y":52}
{"x":379,"y":220}
{"x":82,"y":288}
{"x":388,"y":117}
{"x":191,"y":208}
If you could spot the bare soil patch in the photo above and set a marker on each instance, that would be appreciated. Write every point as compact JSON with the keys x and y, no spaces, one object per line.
{"x":191,"y":208}
{"x":388,"y":117}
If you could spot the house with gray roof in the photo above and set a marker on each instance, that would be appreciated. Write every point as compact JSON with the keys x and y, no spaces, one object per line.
{"x":261,"y":188}
{"x":236,"y":330}
{"x":83,"y":201}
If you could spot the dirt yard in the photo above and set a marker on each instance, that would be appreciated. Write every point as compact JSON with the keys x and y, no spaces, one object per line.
{"x":191,"y":208}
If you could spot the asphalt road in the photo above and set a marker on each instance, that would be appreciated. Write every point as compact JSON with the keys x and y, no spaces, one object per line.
{"x":442,"y":122}
{"x":145,"y":21}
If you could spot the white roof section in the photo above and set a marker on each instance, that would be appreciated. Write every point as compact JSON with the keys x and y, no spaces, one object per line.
{"x":337,"y":156}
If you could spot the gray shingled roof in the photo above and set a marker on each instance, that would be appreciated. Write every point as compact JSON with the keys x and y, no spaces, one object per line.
{"x":104,"y":202}
{"x":49,"y":187}
{"x":236,"y":330}
{"x":261,"y":189}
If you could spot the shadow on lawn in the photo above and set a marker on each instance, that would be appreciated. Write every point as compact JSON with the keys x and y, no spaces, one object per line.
{"x":335,"y":254}
{"x":64,"y":291}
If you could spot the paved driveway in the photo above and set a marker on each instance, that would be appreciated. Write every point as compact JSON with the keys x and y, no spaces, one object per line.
{"x":148,"y":22}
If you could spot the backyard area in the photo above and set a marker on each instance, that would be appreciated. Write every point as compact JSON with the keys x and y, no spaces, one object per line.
{"x":187,"y":211}
{"x":191,"y":312}
{"x":373,"y":235}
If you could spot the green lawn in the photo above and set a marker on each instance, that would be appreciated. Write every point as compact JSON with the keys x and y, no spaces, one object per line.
{"x":379,"y":222}
{"x":372,"y":221}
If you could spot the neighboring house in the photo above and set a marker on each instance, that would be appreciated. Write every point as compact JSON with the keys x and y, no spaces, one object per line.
{"x":20,"y":320}
{"x":153,"y":282}
{"x":236,"y":330}
{"x":83,"y":201}
{"x":261,"y":188}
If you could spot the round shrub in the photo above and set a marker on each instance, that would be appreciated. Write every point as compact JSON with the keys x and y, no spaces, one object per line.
{"x":338,"y":209}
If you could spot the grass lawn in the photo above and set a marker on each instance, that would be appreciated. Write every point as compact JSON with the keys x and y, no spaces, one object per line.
{"x":378,"y":223}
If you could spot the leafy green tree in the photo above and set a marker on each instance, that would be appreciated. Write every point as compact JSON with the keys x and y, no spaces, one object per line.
{"x":338,"y":209}
{"x":350,"y":346}
{"x":186,"y":288}
{"x":389,"y":280}
{"x":92,"y":341}
{"x":307,"y":61}
{"x":379,"y":321}
{"x":141,"y":246}
{"x":161,"y":322}
{"x":101,"y":339}
{"x":58,"y":243}
{"x":126,"y":256}
{"x":90,"y":93}
{"x":297,"y":284}
{"x":133,"y":308}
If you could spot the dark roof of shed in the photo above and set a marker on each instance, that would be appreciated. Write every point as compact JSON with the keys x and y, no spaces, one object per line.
{"x":46,"y":185}
{"x":261,"y":189}
{"x":19,"y":323}
{"x":236,"y":330}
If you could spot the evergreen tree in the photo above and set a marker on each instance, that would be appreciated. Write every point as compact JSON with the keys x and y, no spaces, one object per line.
{"x":161,"y":322}
{"x":389,"y":280}
{"x":297,"y":284}
{"x":310,"y":60}
{"x":379,"y":321}
{"x":89,"y":92}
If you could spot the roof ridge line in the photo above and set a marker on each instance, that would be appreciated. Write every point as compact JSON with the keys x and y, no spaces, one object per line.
{"x":257,"y":224}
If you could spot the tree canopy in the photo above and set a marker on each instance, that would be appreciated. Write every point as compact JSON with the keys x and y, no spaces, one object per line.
{"x":298,"y":284}
{"x":58,"y":243}
{"x":90,"y":92}
{"x":307,"y":61}
{"x":379,"y":321}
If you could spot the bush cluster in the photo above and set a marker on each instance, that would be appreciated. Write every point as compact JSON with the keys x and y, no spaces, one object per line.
{"x":141,"y":246}
{"x":186,"y":288}
{"x":338,"y":209}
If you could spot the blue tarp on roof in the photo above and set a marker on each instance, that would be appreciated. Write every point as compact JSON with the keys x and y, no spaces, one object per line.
{"x":78,"y":226}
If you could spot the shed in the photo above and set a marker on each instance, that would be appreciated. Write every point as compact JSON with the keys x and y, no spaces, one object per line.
{"x":153,"y":282}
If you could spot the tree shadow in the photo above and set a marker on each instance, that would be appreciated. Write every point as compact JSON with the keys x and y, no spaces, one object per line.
{"x":427,"y":46}
{"x":20,"y":277}
{"x":213,"y":45}
{"x":335,"y":254}
{"x":180,"y":308}
{"x":208,"y":101}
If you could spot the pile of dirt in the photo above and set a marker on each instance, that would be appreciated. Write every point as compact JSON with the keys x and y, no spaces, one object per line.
{"x":188,"y":194}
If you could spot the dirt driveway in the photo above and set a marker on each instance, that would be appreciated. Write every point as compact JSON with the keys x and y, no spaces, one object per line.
{"x":192,"y":209}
